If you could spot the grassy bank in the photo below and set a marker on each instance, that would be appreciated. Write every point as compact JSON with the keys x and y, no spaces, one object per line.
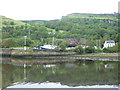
{"x":50,"y":55}
{"x":41,"y":54}
{"x":99,"y":55}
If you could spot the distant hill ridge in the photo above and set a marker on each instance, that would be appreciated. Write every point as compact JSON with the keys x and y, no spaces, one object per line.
{"x":113,"y":17}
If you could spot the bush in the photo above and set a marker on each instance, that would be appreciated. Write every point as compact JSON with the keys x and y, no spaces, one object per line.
{"x":63,"y":45}
{"x":111,"y":50}
{"x":89,"y":50}
{"x":79,"y":49}
{"x":7,"y":43}
{"x":98,"y":50}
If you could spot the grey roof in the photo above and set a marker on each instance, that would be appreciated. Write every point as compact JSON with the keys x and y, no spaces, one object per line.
{"x":109,"y":41}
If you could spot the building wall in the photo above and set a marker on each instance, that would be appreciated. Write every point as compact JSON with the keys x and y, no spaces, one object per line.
{"x":109,"y":44}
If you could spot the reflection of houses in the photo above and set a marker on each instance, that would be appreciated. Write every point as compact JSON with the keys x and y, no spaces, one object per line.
{"x":75,"y":42}
{"x":109,"y":66}
{"x":109,"y":43}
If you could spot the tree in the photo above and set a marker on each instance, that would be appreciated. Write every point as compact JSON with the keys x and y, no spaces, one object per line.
{"x":12,"y":23}
{"x":20,"y":42}
{"x":63,"y":45}
{"x":7,"y":43}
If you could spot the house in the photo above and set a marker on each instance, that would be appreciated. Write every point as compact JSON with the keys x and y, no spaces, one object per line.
{"x":75,"y":42}
{"x":109,"y":43}
{"x":71,"y":41}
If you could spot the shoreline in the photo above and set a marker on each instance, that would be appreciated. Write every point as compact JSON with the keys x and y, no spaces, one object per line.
{"x":60,"y":55}
{"x":93,"y":57}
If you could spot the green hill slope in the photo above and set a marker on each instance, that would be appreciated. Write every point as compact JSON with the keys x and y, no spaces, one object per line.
{"x":93,"y":16}
{"x":92,"y":27}
{"x":10,"y":22}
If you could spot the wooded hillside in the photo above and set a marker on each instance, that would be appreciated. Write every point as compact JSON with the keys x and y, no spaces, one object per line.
{"x":92,"y":27}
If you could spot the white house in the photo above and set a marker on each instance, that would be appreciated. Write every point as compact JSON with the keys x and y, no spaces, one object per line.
{"x":109,"y":43}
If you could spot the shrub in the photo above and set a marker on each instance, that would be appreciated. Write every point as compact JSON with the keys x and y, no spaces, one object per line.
{"x":63,"y":45}
{"x":89,"y":50}
{"x":79,"y":49}
{"x":111,"y":49}
{"x":98,"y":50}
{"x":7,"y":43}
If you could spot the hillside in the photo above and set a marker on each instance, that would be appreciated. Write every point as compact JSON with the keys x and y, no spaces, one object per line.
{"x":93,"y":16}
{"x":92,"y":27}
{"x":10,"y":22}
{"x":11,"y":28}
{"x":89,"y":26}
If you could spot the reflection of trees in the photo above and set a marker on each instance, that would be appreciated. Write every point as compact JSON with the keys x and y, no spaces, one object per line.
{"x":73,"y":74}
{"x":11,"y":74}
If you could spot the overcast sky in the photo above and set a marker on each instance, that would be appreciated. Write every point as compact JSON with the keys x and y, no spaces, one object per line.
{"x":53,"y":9}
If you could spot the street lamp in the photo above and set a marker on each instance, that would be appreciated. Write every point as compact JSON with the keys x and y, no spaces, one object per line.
{"x":25,"y":43}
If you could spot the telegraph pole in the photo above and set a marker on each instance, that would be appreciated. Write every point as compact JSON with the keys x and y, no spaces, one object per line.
{"x":53,"y":37}
{"x":25,"y":48}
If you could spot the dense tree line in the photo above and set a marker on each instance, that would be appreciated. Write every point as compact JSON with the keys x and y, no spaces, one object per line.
{"x":92,"y":27}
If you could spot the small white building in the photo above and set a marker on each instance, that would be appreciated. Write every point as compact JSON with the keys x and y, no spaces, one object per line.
{"x":109,"y":43}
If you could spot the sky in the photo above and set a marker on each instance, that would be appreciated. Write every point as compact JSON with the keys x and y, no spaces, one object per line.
{"x":54,"y":9}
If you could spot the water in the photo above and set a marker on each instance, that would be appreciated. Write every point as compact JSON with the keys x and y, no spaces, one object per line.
{"x":79,"y":74}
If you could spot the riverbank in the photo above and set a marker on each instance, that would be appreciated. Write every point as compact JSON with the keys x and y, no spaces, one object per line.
{"x":93,"y":57}
{"x":61,"y":55}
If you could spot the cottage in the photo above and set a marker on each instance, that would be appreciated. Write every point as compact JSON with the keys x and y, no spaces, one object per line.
{"x":72,"y":42}
{"x":75,"y":42}
{"x":109,"y":43}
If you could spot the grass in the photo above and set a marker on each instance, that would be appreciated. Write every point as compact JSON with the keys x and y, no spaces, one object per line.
{"x":52,"y":55}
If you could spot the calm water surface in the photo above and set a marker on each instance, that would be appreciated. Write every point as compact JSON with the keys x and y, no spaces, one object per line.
{"x":80,"y":74}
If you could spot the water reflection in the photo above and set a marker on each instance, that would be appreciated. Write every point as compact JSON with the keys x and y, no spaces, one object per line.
{"x":25,"y":76}
{"x":49,"y":65}
{"x":71,"y":74}
{"x":109,"y":66}
{"x":56,"y":85}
